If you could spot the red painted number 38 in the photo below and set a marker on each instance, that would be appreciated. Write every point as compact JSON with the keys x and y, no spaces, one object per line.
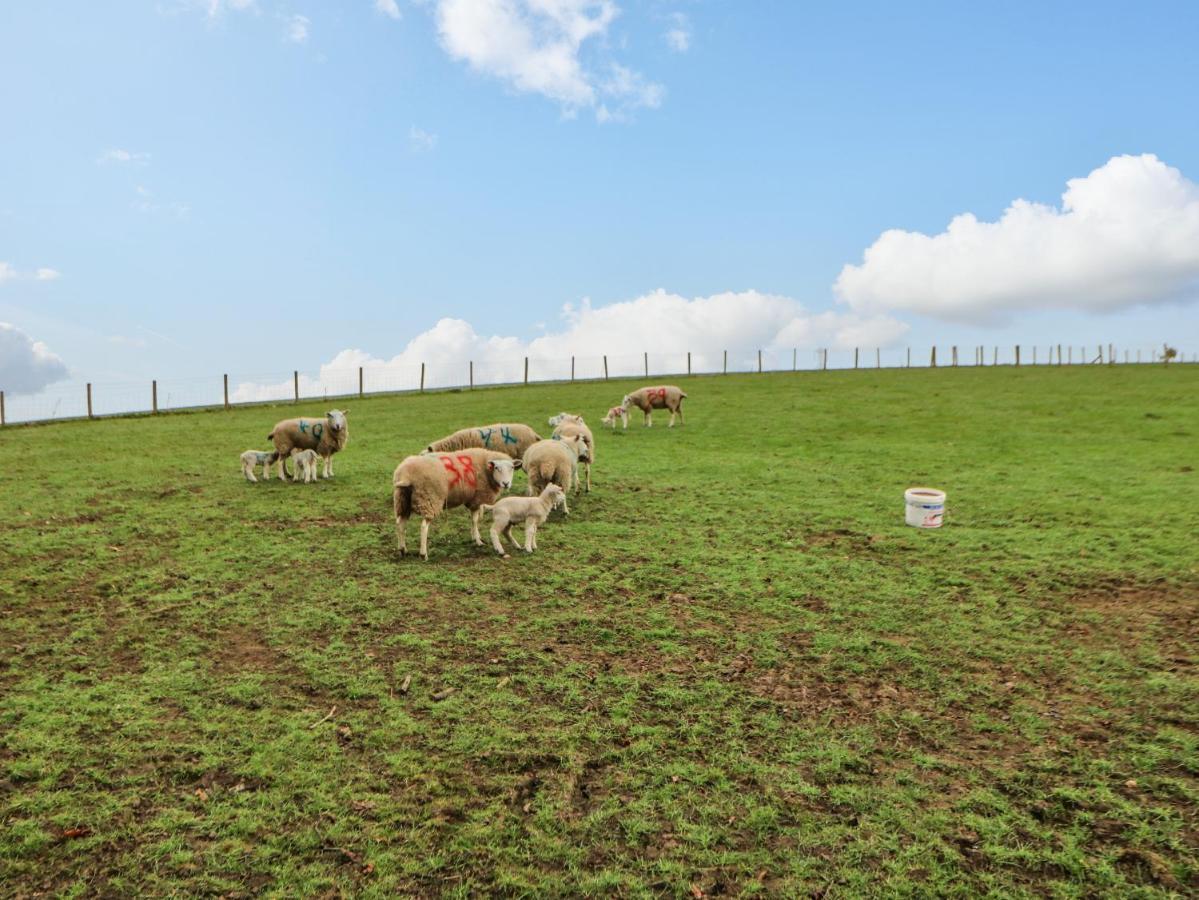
{"x":460,"y":468}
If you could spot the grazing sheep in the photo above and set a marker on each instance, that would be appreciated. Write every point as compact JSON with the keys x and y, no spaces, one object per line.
{"x":567,"y":424}
{"x":252,"y":458}
{"x":325,"y":436}
{"x":305,"y":461}
{"x":647,"y":399}
{"x":614,"y":413}
{"x":553,"y":462}
{"x":425,"y":485}
{"x":533,"y":511}
{"x":511,"y":438}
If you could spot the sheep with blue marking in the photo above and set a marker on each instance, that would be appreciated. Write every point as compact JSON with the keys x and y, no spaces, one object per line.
{"x":511,"y":438}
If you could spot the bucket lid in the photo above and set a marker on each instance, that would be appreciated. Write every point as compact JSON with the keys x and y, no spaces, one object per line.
{"x":924,"y":495}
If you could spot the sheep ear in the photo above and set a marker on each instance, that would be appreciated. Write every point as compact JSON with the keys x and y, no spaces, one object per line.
{"x":491,"y":465}
{"x":518,"y":463}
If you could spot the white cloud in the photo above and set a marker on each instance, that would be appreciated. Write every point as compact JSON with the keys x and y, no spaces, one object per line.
{"x":1125,"y":235}
{"x":45,"y":274}
{"x":145,"y":203}
{"x":665,"y":325}
{"x":678,"y":36}
{"x":297,"y":28}
{"x":421,"y":141}
{"x":535,"y":46}
{"x":388,"y":8}
{"x":9,"y":273}
{"x":116,"y":155}
{"x":26,"y":365}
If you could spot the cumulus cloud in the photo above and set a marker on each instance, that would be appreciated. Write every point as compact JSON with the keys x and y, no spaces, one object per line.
{"x":119,"y":156}
{"x":678,"y":35}
{"x":663,"y":324}
{"x":1125,"y":235}
{"x":421,"y":141}
{"x":388,"y":8}
{"x":296,"y":31}
{"x":26,"y":365}
{"x":44,"y":274}
{"x":536,"y":46}
{"x":10,"y":273}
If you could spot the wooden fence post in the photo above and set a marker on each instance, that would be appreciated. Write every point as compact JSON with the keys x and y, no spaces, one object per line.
{"x":1034,"y":354}
{"x":995,"y":357}
{"x":688,"y":362}
{"x":572,"y":368}
{"x":154,"y":396}
{"x":422,"y":377}
{"x":1059,"y":354}
{"x":295,"y":377}
{"x":605,"y":367}
{"x":932,"y":362}
{"x":2,"y":420}
{"x":226,"y":391}
{"x":646,"y":355}
{"x":1070,"y":355}
{"x":878,"y":357}
{"x":1111,"y":355}
{"x":794,"y":358}
{"x":1017,"y":355}
{"x":759,"y":362}
{"x":89,"y":400}
{"x":526,"y":370}
{"x":726,"y":362}
{"x":472,"y":374}
{"x":909,"y":357}
{"x":361,"y":392}
{"x":955,"y":355}
{"x":824,"y":360}
{"x":855,"y":357}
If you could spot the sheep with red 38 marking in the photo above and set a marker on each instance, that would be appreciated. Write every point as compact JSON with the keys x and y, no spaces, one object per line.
{"x":647,"y":399}
{"x":511,"y":438}
{"x":424,"y":485}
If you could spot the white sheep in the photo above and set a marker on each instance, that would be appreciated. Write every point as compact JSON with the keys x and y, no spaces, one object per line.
{"x":533,"y":511}
{"x":326,"y":436}
{"x":305,"y":461}
{"x":252,"y":458}
{"x":647,"y":399}
{"x":512,"y":438}
{"x":424,"y":485}
{"x":568,"y":424}
{"x":614,"y":413}
{"x":553,"y":462}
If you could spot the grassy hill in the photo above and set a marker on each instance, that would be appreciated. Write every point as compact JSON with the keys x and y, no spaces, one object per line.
{"x":732,"y":670}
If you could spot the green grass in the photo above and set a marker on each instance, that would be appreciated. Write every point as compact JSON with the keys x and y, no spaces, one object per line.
{"x":732,"y":670}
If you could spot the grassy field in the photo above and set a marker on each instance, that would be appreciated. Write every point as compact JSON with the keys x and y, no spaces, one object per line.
{"x":733,"y":670}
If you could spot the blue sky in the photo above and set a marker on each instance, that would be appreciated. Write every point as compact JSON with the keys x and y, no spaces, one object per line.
{"x":254,"y":186}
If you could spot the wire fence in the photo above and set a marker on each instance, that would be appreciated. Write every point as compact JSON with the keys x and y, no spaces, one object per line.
{"x":87,"y":400}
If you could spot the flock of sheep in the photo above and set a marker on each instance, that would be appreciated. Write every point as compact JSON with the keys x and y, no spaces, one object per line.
{"x":471,"y":467}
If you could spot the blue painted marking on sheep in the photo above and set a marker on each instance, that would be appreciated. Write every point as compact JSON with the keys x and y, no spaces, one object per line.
{"x":507,"y":436}
{"x":303,"y":426}
{"x":485,"y":434}
{"x":317,"y":430}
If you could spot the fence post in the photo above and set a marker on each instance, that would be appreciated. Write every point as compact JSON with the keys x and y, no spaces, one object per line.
{"x":878,"y":357}
{"x":295,"y":378}
{"x":646,"y":355}
{"x":226,"y":391}
{"x":89,"y":400}
{"x":154,"y":396}
{"x":1017,"y":355}
{"x":472,"y":374}
{"x":932,"y":362}
{"x":1138,"y":356}
{"x":855,"y":357}
{"x":1059,"y":355}
{"x":726,"y":362}
{"x":824,"y":361}
{"x":688,"y":362}
{"x":2,"y":422}
{"x":526,"y":370}
{"x":1111,"y":355}
{"x":572,"y":368}
{"x":605,"y":367}
{"x":759,"y":362}
{"x":995,"y":357}
{"x":422,"y":378}
{"x":909,"y":357}
{"x":794,"y":358}
{"x":361,"y":392}
{"x":955,"y":355}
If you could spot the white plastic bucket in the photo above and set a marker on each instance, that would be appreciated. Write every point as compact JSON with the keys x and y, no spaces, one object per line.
{"x":925,"y":507}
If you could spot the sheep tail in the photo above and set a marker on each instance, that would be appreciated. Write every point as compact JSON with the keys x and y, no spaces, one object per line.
{"x":402,"y":498}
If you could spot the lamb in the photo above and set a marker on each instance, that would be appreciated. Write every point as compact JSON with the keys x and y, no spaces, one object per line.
{"x":305,"y":461}
{"x":567,"y":424}
{"x":326,"y":437}
{"x":533,"y":511}
{"x":614,"y":413}
{"x":424,"y":485}
{"x":553,"y":462}
{"x":252,"y":458}
{"x":511,"y":438}
{"x":647,"y":399}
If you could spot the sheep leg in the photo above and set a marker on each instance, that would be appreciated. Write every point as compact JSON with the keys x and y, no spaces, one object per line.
{"x":530,"y":535}
{"x":649,"y":418}
{"x":328,"y":467}
{"x":248,"y":471}
{"x":495,"y":540}
{"x":401,"y":543}
{"x":671,"y":425}
{"x":475,"y":516}
{"x":424,"y":539}
{"x":508,"y":531}
{"x":589,"y":478}
{"x":266,"y":471}
{"x":565,"y":508}
{"x":681,"y":422}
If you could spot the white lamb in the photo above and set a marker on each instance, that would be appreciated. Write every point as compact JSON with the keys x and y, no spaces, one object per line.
{"x":305,"y":461}
{"x":252,"y":458}
{"x":533,"y":511}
